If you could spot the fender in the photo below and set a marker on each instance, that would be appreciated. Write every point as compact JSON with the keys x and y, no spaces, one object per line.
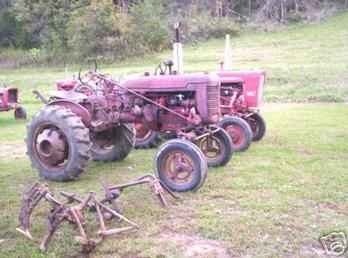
{"x":76,"y":108}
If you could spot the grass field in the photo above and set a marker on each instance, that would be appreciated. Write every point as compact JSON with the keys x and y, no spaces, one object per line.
{"x":275,"y":200}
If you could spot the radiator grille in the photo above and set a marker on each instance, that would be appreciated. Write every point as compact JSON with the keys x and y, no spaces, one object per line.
{"x":213,"y":99}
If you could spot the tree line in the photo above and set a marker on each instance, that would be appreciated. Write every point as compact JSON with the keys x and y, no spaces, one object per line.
{"x":74,"y":29}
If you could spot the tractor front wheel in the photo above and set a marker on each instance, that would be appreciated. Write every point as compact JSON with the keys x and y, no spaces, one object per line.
{"x":181,"y":165}
{"x":114,"y":144}
{"x":217,"y":148}
{"x":58,"y":143}
{"x":258,"y":126}
{"x":240,"y":132}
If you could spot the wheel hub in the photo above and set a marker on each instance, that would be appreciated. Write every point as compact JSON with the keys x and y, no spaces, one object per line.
{"x":51,"y":146}
{"x":210,"y":146}
{"x":179,"y":167}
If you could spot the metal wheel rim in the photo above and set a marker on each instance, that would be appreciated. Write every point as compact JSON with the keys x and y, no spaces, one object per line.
{"x":51,"y":146}
{"x":203,"y":145}
{"x":178,"y":167}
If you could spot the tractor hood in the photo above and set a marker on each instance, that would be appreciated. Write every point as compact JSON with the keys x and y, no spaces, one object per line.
{"x":170,"y":82}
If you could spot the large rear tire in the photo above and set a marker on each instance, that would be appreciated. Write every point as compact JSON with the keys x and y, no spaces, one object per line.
{"x":258,"y":126}
{"x":114,"y":144}
{"x":181,"y":165}
{"x":58,"y":143}
{"x":239,"y":131}
{"x":217,"y":148}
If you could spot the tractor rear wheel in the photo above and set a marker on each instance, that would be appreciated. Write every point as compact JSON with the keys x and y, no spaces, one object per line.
{"x":217,"y":148}
{"x":58,"y":143}
{"x":114,"y":144}
{"x":145,"y":137}
{"x":258,"y":126}
{"x":240,"y":132}
{"x":20,"y":113}
{"x":181,"y":165}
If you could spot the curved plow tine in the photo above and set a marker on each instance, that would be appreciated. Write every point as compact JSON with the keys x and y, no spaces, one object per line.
{"x":74,"y":207}
{"x":30,"y":200}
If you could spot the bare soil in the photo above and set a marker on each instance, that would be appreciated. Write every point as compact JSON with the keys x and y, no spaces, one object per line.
{"x":193,"y":246}
{"x":12,"y":150}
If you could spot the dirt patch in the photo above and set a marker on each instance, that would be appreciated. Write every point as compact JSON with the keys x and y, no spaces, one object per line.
{"x":193,"y":246}
{"x":313,"y":250}
{"x":12,"y":150}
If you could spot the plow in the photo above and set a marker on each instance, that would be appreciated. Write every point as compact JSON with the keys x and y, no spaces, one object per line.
{"x":73,"y":209}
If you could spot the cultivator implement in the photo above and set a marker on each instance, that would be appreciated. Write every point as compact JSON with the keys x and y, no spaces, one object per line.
{"x":73,"y":210}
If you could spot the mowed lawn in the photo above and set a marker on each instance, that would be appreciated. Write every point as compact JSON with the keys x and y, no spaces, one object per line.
{"x":275,"y":200}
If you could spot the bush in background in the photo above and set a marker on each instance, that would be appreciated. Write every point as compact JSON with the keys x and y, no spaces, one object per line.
{"x":71,"y":31}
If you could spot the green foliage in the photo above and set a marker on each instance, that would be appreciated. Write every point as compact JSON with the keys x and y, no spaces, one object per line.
{"x":71,"y":31}
{"x":150,"y":24}
{"x":12,"y":33}
{"x":99,"y":29}
{"x":204,"y":26}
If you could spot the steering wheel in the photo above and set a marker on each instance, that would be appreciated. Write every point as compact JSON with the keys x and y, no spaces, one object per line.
{"x":163,"y":67}
{"x":162,"y":70}
{"x":85,"y":86}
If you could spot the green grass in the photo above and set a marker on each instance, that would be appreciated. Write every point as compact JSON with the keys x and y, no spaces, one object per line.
{"x":275,"y":200}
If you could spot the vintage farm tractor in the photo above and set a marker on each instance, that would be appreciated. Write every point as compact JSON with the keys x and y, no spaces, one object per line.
{"x":91,"y":116}
{"x":238,"y":129}
{"x":238,"y":118}
{"x":9,"y":101}
{"x":241,"y":96}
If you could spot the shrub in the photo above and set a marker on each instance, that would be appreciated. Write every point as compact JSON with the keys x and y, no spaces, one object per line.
{"x":205,"y":26}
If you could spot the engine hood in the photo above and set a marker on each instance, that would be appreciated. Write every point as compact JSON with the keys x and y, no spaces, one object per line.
{"x":170,"y":82}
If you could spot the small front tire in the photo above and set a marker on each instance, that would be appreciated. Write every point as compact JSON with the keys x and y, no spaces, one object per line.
{"x":181,"y":165}
{"x":258,"y":126}
{"x":217,"y":148}
{"x":239,"y":131}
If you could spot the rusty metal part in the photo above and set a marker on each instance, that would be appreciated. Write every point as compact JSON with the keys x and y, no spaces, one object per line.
{"x":111,"y":81}
{"x":51,"y":146}
{"x":179,"y":167}
{"x":112,"y":193}
{"x":73,"y":208}
{"x":30,"y":200}
{"x":71,"y":211}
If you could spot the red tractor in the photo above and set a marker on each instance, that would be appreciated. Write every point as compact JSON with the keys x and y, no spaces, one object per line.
{"x":9,"y":101}
{"x":92,"y":117}
{"x":241,"y":96}
{"x":239,"y":130}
